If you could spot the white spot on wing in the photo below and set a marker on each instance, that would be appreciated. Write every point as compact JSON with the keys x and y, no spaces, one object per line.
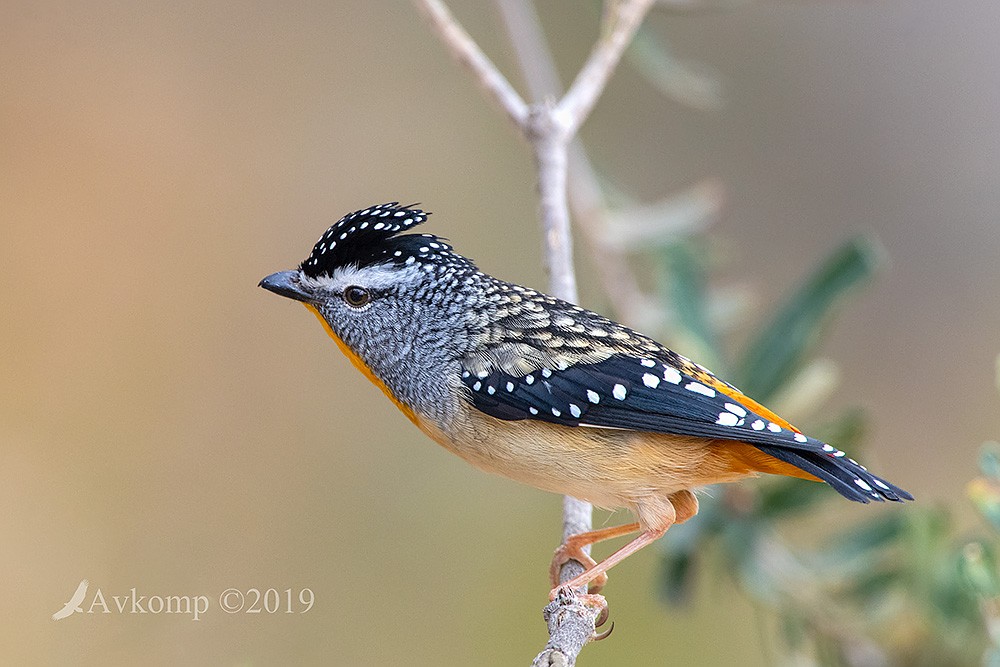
{"x":619,"y":392}
{"x":799,"y":437}
{"x":699,"y":388}
{"x":671,"y":375}
{"x":593,"y":396}
{"x":773,"y":428}
{"x":574,"y":410}
{"x":650,"y":380}
{"x":735,"y":409}
{"x":648,"y":363}
{"x":727,"y":419}
{"x":863,"y":484}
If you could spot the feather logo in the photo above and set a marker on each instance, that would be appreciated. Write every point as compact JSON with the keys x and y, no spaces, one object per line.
{"x":74,"y":602}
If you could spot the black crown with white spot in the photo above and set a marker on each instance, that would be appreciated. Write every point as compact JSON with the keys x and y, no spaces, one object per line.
{"x":371,"y":235}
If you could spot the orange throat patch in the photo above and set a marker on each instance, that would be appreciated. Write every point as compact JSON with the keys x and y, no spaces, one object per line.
{"x":363,"y":367}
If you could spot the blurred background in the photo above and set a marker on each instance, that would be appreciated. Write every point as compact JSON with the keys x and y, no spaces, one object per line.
{"x":168,"y":426}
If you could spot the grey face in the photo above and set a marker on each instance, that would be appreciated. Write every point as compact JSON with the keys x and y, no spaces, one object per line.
{"x":398,"y":319}
{"x":405,"y":304}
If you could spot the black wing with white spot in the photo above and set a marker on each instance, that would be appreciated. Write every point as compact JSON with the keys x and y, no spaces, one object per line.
{"x":650,"y":394}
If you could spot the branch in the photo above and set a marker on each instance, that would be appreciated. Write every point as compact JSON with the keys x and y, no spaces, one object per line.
{"x":571,"y":626}
{"x":466,"y":51}
{"x":586,"y":198}
{"x":550,"y":129}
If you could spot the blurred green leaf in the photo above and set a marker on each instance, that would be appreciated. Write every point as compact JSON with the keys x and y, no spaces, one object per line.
{"x":874,"y":583}
{"x":679,"y":80}
{"x":677,"y":577}
{"x":953,"y":602}
{"x":631,"y":226}
{"x":684,"y":261}
{"x":794,"y":630}
{"x":978,"y":566}
{"x":780,"y":348}
{"x":785,"y":497}
{"x":858,"y":542}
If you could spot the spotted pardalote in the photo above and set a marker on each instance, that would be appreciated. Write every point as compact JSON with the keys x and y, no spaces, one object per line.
{"x":543,"y":391}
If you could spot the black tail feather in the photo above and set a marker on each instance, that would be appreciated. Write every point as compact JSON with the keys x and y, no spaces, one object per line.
{"x":848,"y":477}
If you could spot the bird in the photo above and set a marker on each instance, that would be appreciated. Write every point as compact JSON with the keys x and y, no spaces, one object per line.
{"x":73,"y":605}
{"x":546,"y":392}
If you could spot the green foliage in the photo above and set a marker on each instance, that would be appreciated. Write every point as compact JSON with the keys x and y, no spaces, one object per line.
{"x":781,"y":346}
{"x":685,"y":82}
{"x":895,"y":588}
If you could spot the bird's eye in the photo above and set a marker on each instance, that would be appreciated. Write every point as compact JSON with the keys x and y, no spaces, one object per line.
{"x":357,"y":297}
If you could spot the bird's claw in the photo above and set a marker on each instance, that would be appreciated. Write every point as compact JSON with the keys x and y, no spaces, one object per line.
{"x":598,"y":636}
{"x":602,"y":617}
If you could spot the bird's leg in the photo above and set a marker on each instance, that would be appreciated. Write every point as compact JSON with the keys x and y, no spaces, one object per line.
{"x":572,"y":549}
{"x":656,"y":516}
{"x":597,"y":572}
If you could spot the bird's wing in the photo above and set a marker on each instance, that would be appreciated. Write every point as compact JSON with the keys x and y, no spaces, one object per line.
{"x":661,"y":392}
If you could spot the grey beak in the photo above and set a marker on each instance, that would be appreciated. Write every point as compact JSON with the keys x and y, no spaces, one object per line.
{"x":286,"y":283}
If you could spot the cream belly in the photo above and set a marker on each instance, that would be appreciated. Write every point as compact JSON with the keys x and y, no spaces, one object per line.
{"x":609,"y":467}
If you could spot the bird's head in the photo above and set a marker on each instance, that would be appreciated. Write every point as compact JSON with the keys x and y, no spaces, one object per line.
{"x":397,"y":304}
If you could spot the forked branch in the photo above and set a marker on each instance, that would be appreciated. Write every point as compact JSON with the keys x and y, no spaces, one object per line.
{"x":550,"y":127}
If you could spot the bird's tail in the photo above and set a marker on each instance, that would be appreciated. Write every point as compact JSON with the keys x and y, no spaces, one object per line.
{"x":851,"y":479}
{"x":815,"y":461}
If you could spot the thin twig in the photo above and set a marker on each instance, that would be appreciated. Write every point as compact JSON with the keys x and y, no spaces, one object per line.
{"x":467,"y":52}
{"x":524,"y":29}
{"x":623,"y":18}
